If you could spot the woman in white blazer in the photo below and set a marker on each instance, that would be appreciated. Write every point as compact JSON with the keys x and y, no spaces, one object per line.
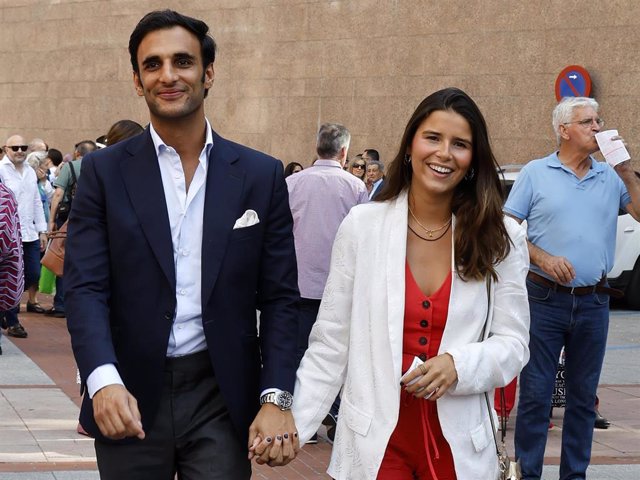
{"x":438,"y":225}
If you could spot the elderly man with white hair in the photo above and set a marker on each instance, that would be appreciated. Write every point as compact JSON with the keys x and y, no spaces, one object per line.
{"x":570,"y":202}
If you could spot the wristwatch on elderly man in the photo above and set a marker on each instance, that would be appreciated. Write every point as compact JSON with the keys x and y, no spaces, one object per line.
{"x":280,"y":398}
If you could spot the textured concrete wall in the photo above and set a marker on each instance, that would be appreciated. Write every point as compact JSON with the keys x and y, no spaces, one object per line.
{"x":284,"y":66}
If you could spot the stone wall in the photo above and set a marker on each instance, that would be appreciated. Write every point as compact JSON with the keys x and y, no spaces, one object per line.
{"x":285,"y":66}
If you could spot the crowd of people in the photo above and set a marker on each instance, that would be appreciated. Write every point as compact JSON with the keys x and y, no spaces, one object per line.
{"x":392,"y":300}
{"x":42,"y":184}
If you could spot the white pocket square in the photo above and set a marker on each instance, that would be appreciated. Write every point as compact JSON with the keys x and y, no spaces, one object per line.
{"x":249,"y":218}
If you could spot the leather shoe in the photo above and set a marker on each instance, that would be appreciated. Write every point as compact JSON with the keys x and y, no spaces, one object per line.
{"x":601,"y":422}
{"x":17,"y":331}
{"x":52,"y":312}
{"x":34,"y":308}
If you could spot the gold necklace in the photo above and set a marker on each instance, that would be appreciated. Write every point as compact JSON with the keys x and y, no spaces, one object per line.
{"x":430,"y":232}
{"x":429,"y":239}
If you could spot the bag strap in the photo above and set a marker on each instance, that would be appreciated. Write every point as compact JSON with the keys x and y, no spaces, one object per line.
{"x":73,"y":174}
{"x":484,"y":336}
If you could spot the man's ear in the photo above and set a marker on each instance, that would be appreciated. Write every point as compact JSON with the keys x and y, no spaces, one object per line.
{"x":138,"y":84}
{"x":564,"y":132}
{"x":209,"y":75}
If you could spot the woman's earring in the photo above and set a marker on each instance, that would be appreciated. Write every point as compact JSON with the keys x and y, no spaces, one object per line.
{"x":470,"y":174}
{"x":407,"y":159}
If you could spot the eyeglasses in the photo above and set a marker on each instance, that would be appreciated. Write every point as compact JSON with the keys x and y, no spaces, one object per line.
{"x":15,"y":148}
{"x":358,"y":165}
{"x":587,"y":122}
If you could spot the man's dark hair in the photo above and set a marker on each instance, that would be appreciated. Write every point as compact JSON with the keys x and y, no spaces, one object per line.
{"x":372,"y":154}
{"x":86,"y":146}
{"x":55,"y":155}
{"x":165,"y":19}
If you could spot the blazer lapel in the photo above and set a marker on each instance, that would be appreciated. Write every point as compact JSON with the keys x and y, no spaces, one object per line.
{"x":395,"y":263}
{"x":143,"y":182}
{"x":225,"y":182}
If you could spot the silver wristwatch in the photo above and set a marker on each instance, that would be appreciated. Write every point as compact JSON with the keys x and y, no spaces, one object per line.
{"x":282,"y":399}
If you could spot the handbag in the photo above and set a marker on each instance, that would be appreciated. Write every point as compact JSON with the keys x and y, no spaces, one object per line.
{"x":509,"y":470}
{"x":53,"y":257}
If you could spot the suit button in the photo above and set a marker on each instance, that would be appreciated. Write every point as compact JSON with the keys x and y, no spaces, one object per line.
{"x":424,"y":323}
{"x":422,"y":341}
{"x":168,"y":316}
{"x":426,"y":304}
{"x":423,"y":357}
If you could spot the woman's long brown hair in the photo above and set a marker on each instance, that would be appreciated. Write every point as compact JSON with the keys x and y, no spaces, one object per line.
{"x":481,"y":239}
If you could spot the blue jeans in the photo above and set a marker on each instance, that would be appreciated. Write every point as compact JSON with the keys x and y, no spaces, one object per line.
{"x":580,"y":324}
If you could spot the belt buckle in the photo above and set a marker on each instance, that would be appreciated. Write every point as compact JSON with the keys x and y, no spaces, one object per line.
{"x":571,"y":292}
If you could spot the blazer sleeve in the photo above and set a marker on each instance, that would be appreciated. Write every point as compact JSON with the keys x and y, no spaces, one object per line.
{"x":494,"y":362}
{"x":86,"y":275}
{"x":278,"y":294}
{"x":323,"y":368}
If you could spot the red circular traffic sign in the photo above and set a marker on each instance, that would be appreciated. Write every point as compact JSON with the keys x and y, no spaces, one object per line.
{"x":573,"y":81}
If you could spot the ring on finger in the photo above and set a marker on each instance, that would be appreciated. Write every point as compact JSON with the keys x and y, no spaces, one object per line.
{"x":423,"y":369}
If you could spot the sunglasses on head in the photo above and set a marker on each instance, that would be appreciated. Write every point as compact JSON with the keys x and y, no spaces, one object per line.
{"x":15,"y":148}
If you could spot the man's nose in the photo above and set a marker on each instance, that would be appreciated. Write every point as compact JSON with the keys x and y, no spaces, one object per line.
{"x":168,"y":73}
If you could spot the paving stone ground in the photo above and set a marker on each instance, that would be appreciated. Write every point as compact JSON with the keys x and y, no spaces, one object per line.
{"x":39,"y":401}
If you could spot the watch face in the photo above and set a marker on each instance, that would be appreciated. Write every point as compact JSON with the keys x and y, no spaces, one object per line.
{"x":284,"y":400}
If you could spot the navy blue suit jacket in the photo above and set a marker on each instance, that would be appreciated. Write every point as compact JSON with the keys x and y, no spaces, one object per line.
{"x":120,"y":275}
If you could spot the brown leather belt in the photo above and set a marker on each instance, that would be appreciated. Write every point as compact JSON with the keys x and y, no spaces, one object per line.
{"x":599,"y":288}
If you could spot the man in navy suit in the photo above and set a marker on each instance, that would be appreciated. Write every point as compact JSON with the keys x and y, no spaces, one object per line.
{"x":176,"y":238}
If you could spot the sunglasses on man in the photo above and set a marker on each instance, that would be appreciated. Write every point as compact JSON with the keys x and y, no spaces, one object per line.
{"x":15,"y":148}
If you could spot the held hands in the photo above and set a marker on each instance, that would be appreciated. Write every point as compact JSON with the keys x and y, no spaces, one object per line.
{"x":273,"y":438}
{"x":116,"y":413}
{"x":435,"y":377}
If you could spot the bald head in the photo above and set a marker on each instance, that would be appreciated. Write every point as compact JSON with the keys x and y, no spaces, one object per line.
{"x":17,"y":157}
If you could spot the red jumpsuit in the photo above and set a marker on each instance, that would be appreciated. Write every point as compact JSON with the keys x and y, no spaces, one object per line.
{"x":417,"y":448}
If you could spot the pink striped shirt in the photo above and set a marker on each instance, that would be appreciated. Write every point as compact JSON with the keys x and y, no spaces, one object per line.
{"x":320,"y":197}
{"x":11,"y":265}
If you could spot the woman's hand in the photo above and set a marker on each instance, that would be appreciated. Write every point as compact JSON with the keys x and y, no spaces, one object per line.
{"x":435,"y":376}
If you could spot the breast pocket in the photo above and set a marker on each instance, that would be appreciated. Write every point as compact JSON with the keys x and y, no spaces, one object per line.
{"x":245,"y":233}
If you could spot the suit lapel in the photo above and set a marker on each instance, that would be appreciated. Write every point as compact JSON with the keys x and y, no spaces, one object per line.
{"x":143,"y":182}
{"x":225,"y":182}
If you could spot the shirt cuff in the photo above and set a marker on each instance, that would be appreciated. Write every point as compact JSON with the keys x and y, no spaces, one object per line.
{"x":101,"y":377}
{"x":270,"y":390}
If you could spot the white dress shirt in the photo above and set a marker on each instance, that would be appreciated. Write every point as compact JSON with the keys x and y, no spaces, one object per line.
{"x":374,"y":188}
{"x":24,"y":186}
{"x":186,"y":214}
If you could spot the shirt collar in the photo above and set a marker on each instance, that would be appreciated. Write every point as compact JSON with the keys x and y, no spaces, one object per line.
{"x":160,"y":146}
{"x":324,"y":162}
{"x":554,"y":162}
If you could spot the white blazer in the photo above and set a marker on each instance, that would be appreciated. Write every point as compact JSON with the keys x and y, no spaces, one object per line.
{"x":357,"y":342}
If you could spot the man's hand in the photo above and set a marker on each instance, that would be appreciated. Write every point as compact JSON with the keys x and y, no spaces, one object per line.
{"x":559,"y":268}
{"x":43,"y":241}
{"x":116,"y":413}
{"x":273,"y":438}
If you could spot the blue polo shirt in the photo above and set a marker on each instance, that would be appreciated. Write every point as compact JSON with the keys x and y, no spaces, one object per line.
{"x":570,"y":217}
